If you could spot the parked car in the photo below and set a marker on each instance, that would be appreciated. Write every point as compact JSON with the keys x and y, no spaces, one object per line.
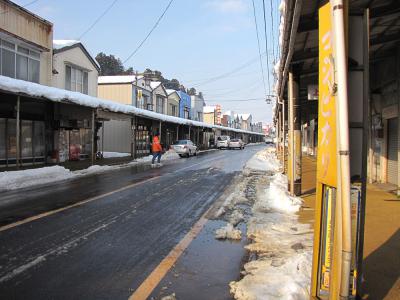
{"x":223,"y":141}
{"x":236,"y":144}
{"x":185,"y":148}
{"x":269,"y":141}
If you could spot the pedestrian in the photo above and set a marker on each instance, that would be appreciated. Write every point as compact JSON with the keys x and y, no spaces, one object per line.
{"x":156,"y":149}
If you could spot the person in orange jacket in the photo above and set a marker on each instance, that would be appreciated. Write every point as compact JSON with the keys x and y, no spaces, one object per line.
{"x":156,"y":149}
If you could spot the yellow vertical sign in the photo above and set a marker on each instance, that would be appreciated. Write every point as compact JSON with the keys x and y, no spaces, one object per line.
{"x":326,"y":161}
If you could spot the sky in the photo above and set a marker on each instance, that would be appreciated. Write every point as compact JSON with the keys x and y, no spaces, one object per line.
{"x":207,"y":44}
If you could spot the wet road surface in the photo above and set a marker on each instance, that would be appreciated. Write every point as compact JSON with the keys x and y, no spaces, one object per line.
{"x":105,"y":248}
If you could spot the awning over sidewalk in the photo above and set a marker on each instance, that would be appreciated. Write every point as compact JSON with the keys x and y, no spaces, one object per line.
{"x":34,"y":90}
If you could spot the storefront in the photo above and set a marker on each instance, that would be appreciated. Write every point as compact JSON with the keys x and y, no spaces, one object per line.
{"x":29,"y":130}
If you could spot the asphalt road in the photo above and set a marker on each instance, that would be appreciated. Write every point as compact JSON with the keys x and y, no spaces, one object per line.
{"x":106,"y":246}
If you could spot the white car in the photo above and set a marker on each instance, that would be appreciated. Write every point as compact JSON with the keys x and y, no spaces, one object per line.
{"x":236,"y":144}
{"x":223,"y":141}
{"x":185,"y":148}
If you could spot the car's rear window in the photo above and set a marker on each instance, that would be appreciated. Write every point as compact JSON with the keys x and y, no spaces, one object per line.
{"x":180,"y":142}
{"x":234,"y":140}
{"x":222,"y":138}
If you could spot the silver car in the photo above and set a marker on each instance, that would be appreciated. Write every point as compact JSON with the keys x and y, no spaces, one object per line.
{"x":185,"y":148}
{"x":236,"y":144}
{"x":223,"y":142}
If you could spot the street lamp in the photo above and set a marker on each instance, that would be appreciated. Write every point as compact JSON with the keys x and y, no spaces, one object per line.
{"x":269,"y":98}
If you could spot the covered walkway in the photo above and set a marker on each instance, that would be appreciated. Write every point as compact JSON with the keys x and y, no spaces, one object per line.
{"x":381,"y":262}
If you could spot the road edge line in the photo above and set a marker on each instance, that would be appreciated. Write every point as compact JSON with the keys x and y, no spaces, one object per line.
{"x":155,"y":277}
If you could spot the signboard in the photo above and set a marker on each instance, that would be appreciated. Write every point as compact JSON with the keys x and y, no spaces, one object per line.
{"x":326,"y":160}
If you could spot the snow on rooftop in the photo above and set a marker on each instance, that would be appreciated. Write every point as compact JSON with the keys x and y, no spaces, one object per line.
{"x":118,"y":79}
{"x":154,"y":84}
{"x":58,"y":44}
{"x":170,"y":91}
{"x":35,"y":90}
{"x":208,"y":109}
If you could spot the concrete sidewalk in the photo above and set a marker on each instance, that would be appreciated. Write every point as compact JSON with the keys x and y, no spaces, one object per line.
{"x":381,"y":268}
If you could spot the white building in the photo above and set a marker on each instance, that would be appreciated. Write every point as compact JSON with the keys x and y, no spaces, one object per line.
{"x":74,"y":69}
{"x":197,"y":103}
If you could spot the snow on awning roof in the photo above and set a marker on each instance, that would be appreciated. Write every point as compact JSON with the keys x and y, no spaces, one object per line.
{"x":35,"y":90}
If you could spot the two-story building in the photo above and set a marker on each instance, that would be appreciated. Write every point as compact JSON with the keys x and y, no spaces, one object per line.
{"x":26,"y":42}
{"x":184,"y":105}
{"x":160,"y":96}
{"x":197,"y":104}
{"x":74,"y":69}
{"x":209,"y":115}
{"x":173,"y":103}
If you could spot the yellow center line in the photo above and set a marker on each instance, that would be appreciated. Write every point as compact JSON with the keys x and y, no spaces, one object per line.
{"x":151,"y":282}
{"x":52,"y":212}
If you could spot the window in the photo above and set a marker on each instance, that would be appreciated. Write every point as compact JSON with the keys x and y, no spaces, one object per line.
{"x":174,"y":110}
{"x":159,"y":105}
{"x":76,"y":80}
{"x":19,"y":62}
{"x":186,"y":113}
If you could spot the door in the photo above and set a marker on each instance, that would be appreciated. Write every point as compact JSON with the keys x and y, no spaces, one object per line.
{"x":392,"y":151}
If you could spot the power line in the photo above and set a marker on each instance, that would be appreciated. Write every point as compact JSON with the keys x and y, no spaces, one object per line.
{"x":227,"y":74}
{"x":266,"y":47}
{"x":23,"y":6}
{"x":150,"y":32}
{"x":259,"y":47}
{"x":98,"y":19}
{"x":273,"y":31}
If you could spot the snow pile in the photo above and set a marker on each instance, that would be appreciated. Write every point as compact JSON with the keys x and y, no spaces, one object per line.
{"x":277,"y":197}
{"x":10,"y":180}
{"x":281,"y":245}
{"x":263,"y":161}
{"x":115,"y":154}
{"x":167,"y":156}
{"x":228,"y":232}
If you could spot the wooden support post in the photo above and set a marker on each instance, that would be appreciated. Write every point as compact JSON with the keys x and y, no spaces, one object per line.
{"x":18,"y":133}
{"x":133,"y":137}
{"x":295,"y":135}
{"x":177,"y":132}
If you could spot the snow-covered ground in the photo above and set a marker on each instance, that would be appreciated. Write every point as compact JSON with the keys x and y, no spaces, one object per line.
{"x":115,"y":154}
{"x":280,"y":244}
{"x":11,"y":180}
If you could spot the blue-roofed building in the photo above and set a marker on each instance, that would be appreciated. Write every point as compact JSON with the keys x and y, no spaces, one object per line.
{"x":184,"y":105}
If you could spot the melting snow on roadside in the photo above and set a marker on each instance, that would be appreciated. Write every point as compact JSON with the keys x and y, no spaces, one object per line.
{"x":281,"y":244}
{"x":11,"y":180}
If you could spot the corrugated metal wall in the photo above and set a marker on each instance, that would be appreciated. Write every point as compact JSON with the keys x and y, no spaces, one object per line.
{"x":392,"y":151}
{"x":117,"y":136}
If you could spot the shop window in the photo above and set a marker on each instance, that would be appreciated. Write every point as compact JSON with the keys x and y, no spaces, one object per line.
{"x":11,"y":139}
{"x":2,"y":139}
{"x":39,"y":139}
{"x":26,"y":139}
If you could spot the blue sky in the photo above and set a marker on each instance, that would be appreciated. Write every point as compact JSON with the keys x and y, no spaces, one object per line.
{"x":197,"y":40}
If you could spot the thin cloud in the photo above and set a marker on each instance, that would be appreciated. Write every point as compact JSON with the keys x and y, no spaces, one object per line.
{"x":228,"y":6}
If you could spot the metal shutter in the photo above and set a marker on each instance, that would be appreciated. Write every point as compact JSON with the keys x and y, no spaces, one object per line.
{"x":392,"y":151}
